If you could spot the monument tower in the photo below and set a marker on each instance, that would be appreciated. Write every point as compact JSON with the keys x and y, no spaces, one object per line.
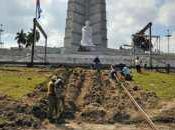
{"x":80,"y":11}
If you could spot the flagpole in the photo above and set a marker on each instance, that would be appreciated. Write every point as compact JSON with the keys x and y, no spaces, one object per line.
{"x":36,"y":10}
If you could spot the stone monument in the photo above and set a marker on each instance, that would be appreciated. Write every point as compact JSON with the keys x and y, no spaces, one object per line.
{"x":79,"y":11}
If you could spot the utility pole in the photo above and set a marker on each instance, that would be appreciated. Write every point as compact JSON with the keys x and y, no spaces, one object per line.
{"x":34,"y":40}
{"x":168,"y":39}
{"x":1,"y":31}
{"x":159,"y":46}
{"x":150,"y":46}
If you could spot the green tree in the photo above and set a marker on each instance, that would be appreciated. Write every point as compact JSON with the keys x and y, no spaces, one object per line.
{"x":30,"y":37}
{"x":21,"y":38}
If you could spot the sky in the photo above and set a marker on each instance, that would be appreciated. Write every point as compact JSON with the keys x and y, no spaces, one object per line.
{"x":124,"y":18}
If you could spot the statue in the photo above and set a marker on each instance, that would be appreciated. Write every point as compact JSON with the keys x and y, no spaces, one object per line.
{"x":87,"y":35}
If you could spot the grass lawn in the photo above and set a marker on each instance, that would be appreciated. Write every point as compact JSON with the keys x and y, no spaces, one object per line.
{"x":162,"y":84}
{"x":18,"y":81}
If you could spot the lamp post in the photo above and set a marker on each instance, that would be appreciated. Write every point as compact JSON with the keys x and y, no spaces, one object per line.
{"x":150,"y":46}
{"x":1,"y":31}
{"x":168,"y":39}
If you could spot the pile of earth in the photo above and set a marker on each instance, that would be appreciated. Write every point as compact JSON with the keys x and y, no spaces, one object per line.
{"x":92,"y":97}
{"x":166,"y":116}
{"x":28,"y":112}
{"x":89,"y":96}
{"x":106,"y":102}
{"x":16,"y":115}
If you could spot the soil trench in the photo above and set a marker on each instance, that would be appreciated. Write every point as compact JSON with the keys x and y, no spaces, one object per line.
{"x":90,"y":99}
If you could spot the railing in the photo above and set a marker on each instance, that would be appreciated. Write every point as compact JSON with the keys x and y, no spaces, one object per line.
{"x":165,"y":69}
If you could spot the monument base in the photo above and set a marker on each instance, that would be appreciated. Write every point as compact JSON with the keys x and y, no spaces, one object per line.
{"x":88,"y":50}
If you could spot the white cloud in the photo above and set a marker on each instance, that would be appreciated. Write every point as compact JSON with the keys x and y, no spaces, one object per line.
{"x":126,"y":17}
{"x":53,"y":20}
{"x":167,"y":13}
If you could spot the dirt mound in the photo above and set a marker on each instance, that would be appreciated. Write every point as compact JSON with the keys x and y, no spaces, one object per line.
{"x":166,"y":116}
{"x":92,"y":97}
{"x":89,"y":97}
{"x":29,"y":112}
{"x":94,"y":114}
{"x":15,"y":115}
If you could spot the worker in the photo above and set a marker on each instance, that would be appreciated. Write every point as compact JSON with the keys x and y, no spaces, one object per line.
{"x":113,"y":73}
{"x":126,"y":73}
{"x":97,"y":64}
{"x":116,"y":73}
{"x":51,"y":98}
{"x":138,"y":65}
{"x":59,"y":92}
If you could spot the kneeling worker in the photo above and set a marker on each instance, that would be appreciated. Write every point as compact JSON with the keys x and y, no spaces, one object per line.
{"x":126,"y":73}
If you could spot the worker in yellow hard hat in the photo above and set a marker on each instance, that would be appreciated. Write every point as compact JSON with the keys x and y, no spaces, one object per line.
{"x":51,"y":97}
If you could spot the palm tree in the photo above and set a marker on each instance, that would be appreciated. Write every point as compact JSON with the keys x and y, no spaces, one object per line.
{"x":30,"y":38}
{"x":21,"y":38}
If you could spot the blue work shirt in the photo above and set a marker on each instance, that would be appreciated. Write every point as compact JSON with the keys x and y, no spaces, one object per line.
{"x":126,"y":71}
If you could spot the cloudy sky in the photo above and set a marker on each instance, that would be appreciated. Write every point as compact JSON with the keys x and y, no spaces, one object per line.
{"x":125,"y":17}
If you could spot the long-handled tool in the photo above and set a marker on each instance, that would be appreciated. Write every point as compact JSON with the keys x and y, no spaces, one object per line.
{"x":144,"y":114}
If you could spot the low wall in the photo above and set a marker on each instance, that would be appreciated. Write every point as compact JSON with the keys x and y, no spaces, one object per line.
{"x":80,"y":59}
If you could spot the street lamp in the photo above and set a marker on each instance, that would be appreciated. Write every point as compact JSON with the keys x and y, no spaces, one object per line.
{"x":1,"y":31}
{"x":168,"y":38}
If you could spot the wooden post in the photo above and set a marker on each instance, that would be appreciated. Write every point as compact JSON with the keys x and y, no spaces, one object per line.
{"x":45,"y":36}
{"x":150,"y":46}
{"x":45,"y":53}
{"x":34,"y":37}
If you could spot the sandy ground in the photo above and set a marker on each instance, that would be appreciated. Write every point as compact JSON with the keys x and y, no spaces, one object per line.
{"x":86,"y":126}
